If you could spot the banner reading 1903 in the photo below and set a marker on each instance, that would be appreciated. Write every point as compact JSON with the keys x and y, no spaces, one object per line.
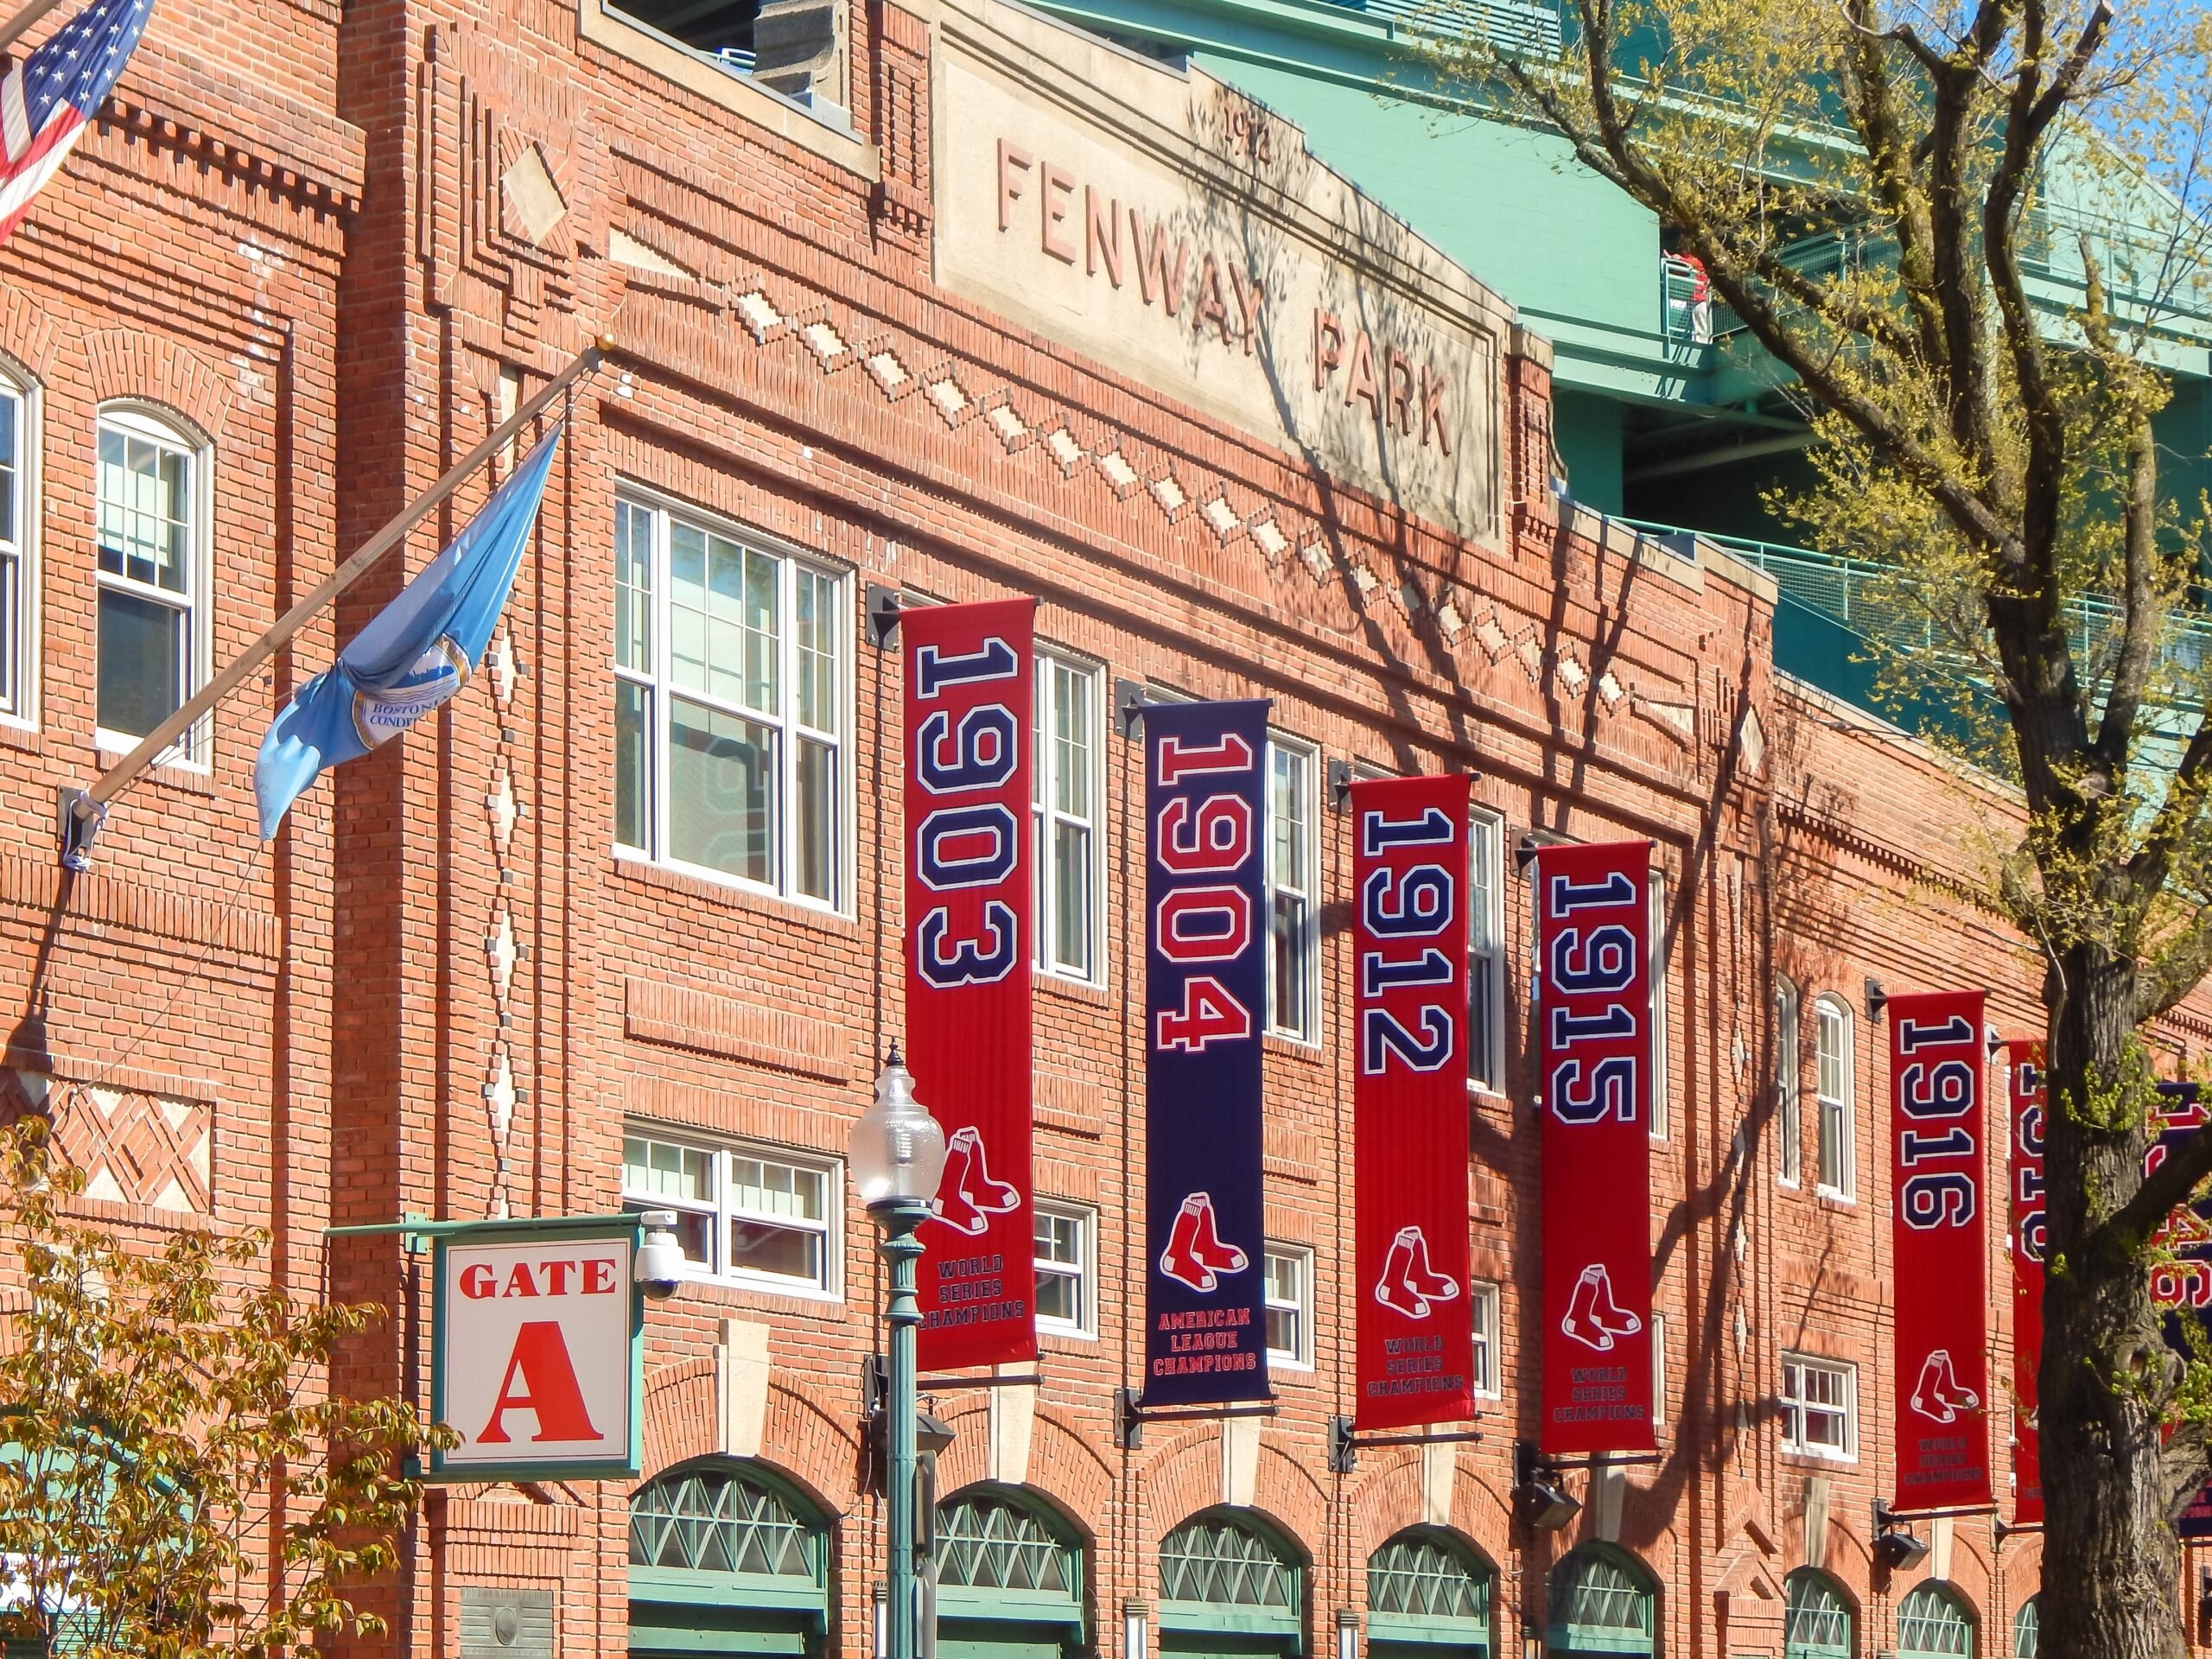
{"x":969,"y":693}
{"x":1416,"y":1331}
{"x":1205,"y":990}
{"x":1594,"y":1008}
{"x":1938,"y":1165}
{"x":2024,"y":1068}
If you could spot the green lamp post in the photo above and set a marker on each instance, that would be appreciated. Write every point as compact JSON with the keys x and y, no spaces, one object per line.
{"x":898,"y":1156}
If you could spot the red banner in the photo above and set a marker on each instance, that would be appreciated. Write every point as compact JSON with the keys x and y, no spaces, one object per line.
{"x":2024,"y":1068}
{"x":969,"y":684}
{"x":1593,"y":992}
{"x":1939,"y":1261}
{"x":1409,"y":1100}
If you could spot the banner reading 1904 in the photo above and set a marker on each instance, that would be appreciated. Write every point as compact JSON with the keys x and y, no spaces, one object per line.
{"x":1938,"y":1164}
{"x":1415,"y":1333}
{"x":1594,"y":1006}
{"x":1205,"y":989}
{"x":969,"y":693}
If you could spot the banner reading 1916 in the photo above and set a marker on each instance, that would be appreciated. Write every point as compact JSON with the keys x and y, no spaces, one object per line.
{"x":1205,"y":990}
{"x":1415,"y":1334}
{"x":1594,"y":1006}
{"x":969,"y":693}
{"x":1939,"y":1246}
{"x":2023,"y":1067}
{"x":2181,"y":1282}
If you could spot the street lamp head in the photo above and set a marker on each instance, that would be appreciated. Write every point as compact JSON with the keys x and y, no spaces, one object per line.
{"x":897,"y":1149}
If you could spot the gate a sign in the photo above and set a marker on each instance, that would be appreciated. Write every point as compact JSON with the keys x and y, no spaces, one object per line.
{"x":537,"y":1340}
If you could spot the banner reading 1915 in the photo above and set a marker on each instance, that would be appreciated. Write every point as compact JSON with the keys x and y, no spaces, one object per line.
{"x":969,"y":693}
{"x":1594,"y":1008}
{"x":1205,"y":990}
{"x":2024,"y":1068}
{"x":1938,"y":1165}
{"x":1415,"y":1333}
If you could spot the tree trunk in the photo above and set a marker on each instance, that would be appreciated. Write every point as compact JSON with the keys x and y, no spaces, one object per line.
{"x":2111,"y":1560}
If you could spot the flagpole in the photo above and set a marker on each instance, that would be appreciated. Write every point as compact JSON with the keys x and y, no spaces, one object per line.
{"x":12,"y":31}
{"x":83,"y":811}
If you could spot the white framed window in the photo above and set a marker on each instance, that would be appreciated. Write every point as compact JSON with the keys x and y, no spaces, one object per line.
{"x":1789,"y":1127}
{"x":1482,"y":1300}
{"x":152,"y":501}
{"x":1660,"y":1084}
{"x":1065,"y":787}
{"x":1832,"y":1094}
{"x":19,"y":522}
{"x":1486,"y":951}
{"x":1820,"y":1410}
{"x":755,"y":1216}
{"x":1066,"y":1273}
{"x":1294,"y":892}
{"x":732,"y":693}
{"x":1658,"y":1370}
{"x":1289,"y":1296}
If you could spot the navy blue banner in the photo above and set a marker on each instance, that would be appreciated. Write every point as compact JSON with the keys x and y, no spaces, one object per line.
{"x":2181,"y":1282}
{"x":1206,"y":1010}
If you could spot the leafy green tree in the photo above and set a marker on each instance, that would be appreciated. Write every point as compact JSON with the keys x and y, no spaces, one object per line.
{"x":1968,"y":233}
{"x":174,"y":1482}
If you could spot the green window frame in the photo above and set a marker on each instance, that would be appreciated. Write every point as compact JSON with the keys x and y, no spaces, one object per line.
{"x":1429,"y":1587}
{"x":2024,"y":1630}
{"x":1816,"y":1623}
{"x":1935,"y":1622}
{"x":1224,"y":1573}
{"x":1603,"y":1600}
{"x":1009,"y":1576}
{"x":726,"y":1557}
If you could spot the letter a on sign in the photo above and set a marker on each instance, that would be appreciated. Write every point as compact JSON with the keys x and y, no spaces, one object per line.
{"x":536,"y":1353}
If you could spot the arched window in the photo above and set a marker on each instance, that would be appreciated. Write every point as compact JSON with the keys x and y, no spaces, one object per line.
{"x":1429,"y":1594}
{"x":1789,"y":1130}
{"x":1603,"y":1601}
{"x":1009,"y":1576}
{"x":726,"y":1557}
{"x":151,"y":525}
{"x":2024,"y":1630}
{"x":1228,"y":1581}
{"x":1832,"y":1051}
{"x":1817,"y":1623}
{"x":1933,"y":1622}
{"x":19,"y":525}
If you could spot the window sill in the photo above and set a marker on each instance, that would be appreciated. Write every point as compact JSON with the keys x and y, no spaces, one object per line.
{"x":22,"y":734}
{"x":735,"y":92}
{"x":1818,"y":1459}
{"x":1079,"y":1341}
{"x":727,"y":895}
{"x":1839,"y":1203}
{"x":1305,"y":1050}
{"x":190,"y":777}
{"x":1090,"y":992}
{"x":735,"y":1292}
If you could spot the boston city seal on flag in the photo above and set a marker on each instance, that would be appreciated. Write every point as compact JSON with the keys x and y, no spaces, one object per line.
{"x":415,"y":654}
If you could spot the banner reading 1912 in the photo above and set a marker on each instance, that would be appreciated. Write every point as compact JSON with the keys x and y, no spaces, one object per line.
{"x":1206,"y":992}
{"x":1594,"y":1007}
{"x":1938,"y":1162}
{"x":2024,"y":1068}
{"x":1415,"y":1333}
{"x":969,"y":694}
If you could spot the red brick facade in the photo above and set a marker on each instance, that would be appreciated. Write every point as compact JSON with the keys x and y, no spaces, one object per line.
{"x":440,"y":991}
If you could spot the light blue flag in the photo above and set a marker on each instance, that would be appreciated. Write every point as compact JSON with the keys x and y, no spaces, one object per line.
{"x":415,"y":654}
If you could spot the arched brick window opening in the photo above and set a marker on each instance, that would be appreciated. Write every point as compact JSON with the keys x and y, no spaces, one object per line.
{"x":727,"y":1556}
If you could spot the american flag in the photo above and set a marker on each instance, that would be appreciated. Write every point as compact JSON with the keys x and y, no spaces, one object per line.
{"x":47,"y":100}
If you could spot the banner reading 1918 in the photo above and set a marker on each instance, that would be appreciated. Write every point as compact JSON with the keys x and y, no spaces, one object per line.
{"x":1205,"y":991}
{"x":1594,"y":1008}
{"x":1415,"y":1333}
{"x":1938,"y":1165}
{"x":2024,"y":1068}
{"x":969,"y":691}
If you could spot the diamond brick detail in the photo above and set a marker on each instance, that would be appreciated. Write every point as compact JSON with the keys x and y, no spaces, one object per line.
{"x":1610,"y":690}
{"x":951,"y":400}
{"x":1363,"y":579}
{"x":1532,"y":658}
{"x":1222,"y":516}
{"x":890,"y":373}
{"x":1315,"y":556}
{"x":499,"y":951}
{"x":1065,"y":448}
{"x":1009,"y":425}
{"x":1570,"y":672}
{"x":1268,"y":534}
{"x":1490,"y":637}
{"x":499,"y":1094}
{"x":824,"y":341}
{"x":758,"y":315}
{"x":1410,"y":597}
{"x":1118,"y":471}
{"x":1450,"y":621}
{"x":499,"y":807}
{"x":1169,"y":495}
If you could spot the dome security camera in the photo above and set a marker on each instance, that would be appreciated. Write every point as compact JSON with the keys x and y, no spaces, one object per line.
{"x":659,"y":1265}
